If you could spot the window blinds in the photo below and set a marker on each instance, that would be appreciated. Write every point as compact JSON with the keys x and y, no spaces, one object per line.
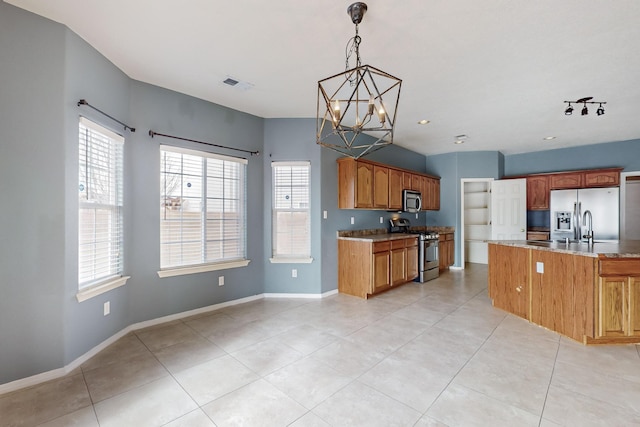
{"x":202,"y":217}
{"x":100,"y":231}
{"x":291,"y":218}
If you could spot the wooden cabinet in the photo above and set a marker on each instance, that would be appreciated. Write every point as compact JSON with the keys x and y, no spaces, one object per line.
{"x":508,"y":279}
{"x":618,"y":298}
{"x":380,"y":187}
{"x":602,"y":178}
{"x":363,"y":184}
{"x":412,"y":259}
{"x":366,"y":268}
{"x":538,"y":235}
{"x":446,"y":249}
{"x":537,"y":192}
{"x":398,"y":262}
{"x":395,"y":189}
{"x":381,"y":272}
{"x":561,"y":181}
{"x":562,"y":293}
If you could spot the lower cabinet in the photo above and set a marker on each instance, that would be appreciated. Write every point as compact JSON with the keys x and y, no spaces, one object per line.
{"x":619,"y":303}
{"x":509,"y":279}
{"x":446,"y":249}
{"x":366,"y":267}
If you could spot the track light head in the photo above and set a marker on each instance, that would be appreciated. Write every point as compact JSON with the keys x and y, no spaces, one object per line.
{"x":569,"y":110}
{"x":600,"y":110}
{"x":584,"y":111}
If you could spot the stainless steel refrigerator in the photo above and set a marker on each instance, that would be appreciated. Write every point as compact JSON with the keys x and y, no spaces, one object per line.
{"x":567,"y":208}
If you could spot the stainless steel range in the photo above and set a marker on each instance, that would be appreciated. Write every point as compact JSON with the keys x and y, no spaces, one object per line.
{"x":428,"y":259}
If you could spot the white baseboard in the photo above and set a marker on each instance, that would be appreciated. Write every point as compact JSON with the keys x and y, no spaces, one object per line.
{"x":60,"y":372}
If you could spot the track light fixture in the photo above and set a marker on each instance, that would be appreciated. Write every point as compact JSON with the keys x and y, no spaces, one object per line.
{"x":569,"y":110}
{"x":584,"y":102}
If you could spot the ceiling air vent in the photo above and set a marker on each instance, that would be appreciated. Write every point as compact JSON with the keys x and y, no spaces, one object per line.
{"x":237,"y":84}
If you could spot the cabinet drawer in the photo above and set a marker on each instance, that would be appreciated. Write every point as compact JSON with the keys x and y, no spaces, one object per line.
{"x":619,"y":267}
{"x":397,"y":244}
{"x":381,"y":246}
{"x":411,"y":242}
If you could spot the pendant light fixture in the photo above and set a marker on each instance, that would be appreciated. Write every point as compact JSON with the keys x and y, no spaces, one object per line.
{"x":357,"y":107}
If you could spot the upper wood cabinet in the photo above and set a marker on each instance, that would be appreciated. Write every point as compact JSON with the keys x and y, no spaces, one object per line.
{"x":395,"y":189}
{"x":538,"y":192}
{"x":380,"y":187}
{"x":602,"y":178}
{"x":587,"y":178}
{"x":363,"y":184}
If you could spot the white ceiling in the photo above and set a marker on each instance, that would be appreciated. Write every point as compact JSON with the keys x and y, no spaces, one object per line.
{"x":495,"y":70}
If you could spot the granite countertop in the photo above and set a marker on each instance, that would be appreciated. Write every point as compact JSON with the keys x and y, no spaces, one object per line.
{"x":382,"y":234}
{"x":614,"y":249}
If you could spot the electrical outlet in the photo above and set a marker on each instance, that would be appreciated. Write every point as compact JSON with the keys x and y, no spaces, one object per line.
{"x":221,"y":281}
{"x":416,"y":216}
{"x":381,"y":220}
{"x":353,"y":220}
{"x":107,"y":308}
{"x":324,"y":214}
{"x":539,"y":267}
{"x":294,"y":273}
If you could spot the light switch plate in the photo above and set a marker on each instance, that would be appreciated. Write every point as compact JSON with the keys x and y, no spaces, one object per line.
{"x":324,"y":214}
{"x":539,"y":267}
{"x":353,"y":220}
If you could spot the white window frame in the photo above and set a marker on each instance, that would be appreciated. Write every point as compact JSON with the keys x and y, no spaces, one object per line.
{"x":302,"y":255}
{"x":204,"y":265}
{"x":93,"y":280}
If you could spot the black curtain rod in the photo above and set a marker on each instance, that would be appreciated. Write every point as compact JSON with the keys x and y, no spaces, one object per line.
{"x":152,"y":134}
{"x":84,"y":102}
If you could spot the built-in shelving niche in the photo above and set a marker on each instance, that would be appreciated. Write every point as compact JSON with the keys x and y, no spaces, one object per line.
{"x":476,"y":218}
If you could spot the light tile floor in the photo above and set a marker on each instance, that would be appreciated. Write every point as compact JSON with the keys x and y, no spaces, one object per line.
{"x":432,"y":354}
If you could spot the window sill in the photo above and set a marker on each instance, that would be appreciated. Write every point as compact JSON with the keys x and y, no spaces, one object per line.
{"x":170,"y":272}
{"x":101,"y":288}
{"x":291,"y":260}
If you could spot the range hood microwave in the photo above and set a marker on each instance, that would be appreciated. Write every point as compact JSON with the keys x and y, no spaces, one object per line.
{"x":411,"y":201}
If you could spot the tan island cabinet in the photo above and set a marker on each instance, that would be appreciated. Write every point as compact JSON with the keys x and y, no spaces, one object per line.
{"x":588,"y":296}
{"x":618,"y":298}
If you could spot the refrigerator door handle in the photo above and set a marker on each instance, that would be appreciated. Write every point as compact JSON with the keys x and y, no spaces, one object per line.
{"x":575,"y":227}
{"x":579,"y":214}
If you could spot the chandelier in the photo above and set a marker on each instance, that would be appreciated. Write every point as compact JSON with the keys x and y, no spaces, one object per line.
{"x":357,"y":107}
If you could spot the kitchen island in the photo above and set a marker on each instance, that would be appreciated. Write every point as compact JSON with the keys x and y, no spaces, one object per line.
{"x":590,"y":293}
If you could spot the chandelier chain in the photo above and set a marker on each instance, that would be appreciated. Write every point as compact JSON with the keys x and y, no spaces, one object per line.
{"x":353,"y":45}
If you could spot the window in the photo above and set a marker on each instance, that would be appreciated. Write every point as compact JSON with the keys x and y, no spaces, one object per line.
{"x":291,"y":215}
{"x":202,"y":210}
{"x":100,"y":234}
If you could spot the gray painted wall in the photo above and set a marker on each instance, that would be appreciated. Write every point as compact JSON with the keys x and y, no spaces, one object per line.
{"x":452,"y":168}
{"x":292,"y":140}
{"x":624,"y":154}
{"x":32,"y":188}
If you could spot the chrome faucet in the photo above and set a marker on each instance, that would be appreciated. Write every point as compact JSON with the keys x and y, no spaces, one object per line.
{"x":589,"y":235}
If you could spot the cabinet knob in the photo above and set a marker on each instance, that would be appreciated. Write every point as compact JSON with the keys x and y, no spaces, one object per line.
{"x":519,"y":288}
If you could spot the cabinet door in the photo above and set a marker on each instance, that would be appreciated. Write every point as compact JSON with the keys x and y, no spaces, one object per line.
{"x":435,"y":194}
{"x":537,"y":193}
{"x":407,"y":179}
{"x":380,"y":187}
{"x":364,"y":185}
{"x":416,"y":183}
{"x":395,"y":189}
{"x":566,"y":180}
{"x":602,"y":178}
{"x":412,"y":261}
{"x":426,"y":194}
{"x":381,"y":277}
{"x":508,"y":280}
{"x":398,"y":266}
{"x":613,"y":304}
{"x":634,"y":306}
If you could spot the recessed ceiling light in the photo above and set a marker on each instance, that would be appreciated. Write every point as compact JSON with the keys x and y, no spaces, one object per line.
{"x":458,"y":141}
{"x":423,"y":122}
{"x":549,"y":138}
